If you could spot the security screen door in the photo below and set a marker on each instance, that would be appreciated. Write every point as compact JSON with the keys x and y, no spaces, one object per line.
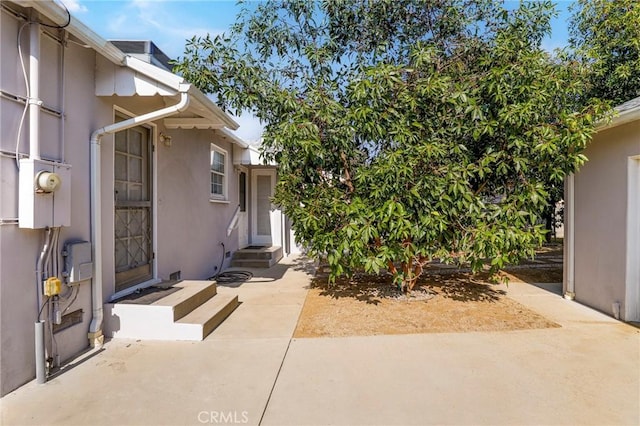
{"x":133,"y":215}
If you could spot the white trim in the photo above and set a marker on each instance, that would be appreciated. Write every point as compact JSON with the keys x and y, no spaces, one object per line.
{"x":569,"y":238}
{"x":255,"y":238}
{"x":192,"y":123}
{"x":632,"y":287}
{"x":225,"y":184}
{"x":213,"y":200}
{"x":621,"y":118}
{"x":234,"y":138}
{"x":154,"y":198}
{"x":153,"y":137}
{"x":56,"y":13}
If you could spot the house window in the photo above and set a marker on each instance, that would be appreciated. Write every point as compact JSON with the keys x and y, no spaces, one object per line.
{"x":218,"y":173}
{"x":242,"y":191}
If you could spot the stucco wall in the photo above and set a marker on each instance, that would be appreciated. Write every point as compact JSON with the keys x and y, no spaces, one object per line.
{"x":600,"y":217}
{"x":20,"y":248}
{"x":190,"y":226}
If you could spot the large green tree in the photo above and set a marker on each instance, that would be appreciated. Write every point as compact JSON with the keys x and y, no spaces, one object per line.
{"x":605,"y":36}
{"x":405,"y":131}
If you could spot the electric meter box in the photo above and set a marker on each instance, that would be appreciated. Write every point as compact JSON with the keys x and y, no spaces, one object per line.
{"x":44,"y":197}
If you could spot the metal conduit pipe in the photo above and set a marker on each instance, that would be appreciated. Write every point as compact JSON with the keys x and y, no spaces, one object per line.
{"x":95,"y":328}
{"x":41,"y":371}
{"x":34,"y":88}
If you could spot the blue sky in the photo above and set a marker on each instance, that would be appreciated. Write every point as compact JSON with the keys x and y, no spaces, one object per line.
{"x":168,"y":23}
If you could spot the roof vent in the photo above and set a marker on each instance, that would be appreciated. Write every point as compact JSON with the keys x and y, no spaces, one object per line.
{"x":144,"y":50}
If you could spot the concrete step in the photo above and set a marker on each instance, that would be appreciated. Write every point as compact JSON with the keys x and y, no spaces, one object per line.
{"x":262,"y":253}
{"x":191,"y":295}
{"x":203,"y":320}
{"x":244,"y":263}
{"x":190,"y":313}
{"x":264,"y":257}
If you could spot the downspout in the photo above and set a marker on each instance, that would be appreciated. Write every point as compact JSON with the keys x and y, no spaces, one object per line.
{"x":569,"y":238}
{"x":95,"y":328}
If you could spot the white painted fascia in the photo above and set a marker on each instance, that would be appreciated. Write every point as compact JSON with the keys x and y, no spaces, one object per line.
{"x":201,"y":98}
{"x":57,"y":14}
{"x":621,"y":118}
{"x":234,"y":139}
{"x":156,"y":73}
{"x":174,"y":81}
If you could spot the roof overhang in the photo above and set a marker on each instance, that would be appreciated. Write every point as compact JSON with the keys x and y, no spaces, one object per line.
{"x":59,"y":16}
{"x":139,"y":78}
{"x":122,"y":75}
{"x":623,"y":114}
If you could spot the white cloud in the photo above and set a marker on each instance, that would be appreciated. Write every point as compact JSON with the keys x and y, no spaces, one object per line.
{"x":74,"y":6}
{"x":163,"y":22}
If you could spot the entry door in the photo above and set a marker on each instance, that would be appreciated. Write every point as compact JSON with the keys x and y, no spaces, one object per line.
{"x":243,"y":220}
{"x":133,"y":215}
{"x":262,"y":185}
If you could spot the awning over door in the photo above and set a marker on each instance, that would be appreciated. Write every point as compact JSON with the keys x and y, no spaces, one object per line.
{"x":138,"y":78}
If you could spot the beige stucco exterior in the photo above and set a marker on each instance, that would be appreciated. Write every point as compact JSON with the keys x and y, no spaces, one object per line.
{"x":187,"y":226}
{"x":605,"y":224}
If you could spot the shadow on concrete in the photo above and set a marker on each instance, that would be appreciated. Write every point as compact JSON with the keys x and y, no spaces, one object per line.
{"x":265,"y":275}
{"x":75,"y":362}
{"x":548,"y":277}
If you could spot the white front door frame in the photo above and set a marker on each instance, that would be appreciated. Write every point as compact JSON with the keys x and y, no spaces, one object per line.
{"x":632,"y":284}
{"x":260,"y":235}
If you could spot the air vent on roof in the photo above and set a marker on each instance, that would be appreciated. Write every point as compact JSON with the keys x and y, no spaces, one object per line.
{"x":144,"y":50}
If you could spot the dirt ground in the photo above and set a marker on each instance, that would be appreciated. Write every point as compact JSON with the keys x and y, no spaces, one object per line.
{"x":442,"y":303}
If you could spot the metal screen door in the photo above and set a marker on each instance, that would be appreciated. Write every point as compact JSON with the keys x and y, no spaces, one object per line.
{"x":133,"y":215}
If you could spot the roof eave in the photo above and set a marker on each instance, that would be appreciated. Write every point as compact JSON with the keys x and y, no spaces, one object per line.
{"x":57,"y":14}
{"x":621,"y":117}
{"x":234,"y":139}
{"x":215,"y":109}
{"x":178,"y":83}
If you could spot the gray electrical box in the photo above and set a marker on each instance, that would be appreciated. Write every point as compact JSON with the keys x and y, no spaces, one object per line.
{"x":78,"y":264}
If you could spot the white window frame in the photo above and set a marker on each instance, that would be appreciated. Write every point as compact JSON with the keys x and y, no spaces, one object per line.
{"x":225,"y":176}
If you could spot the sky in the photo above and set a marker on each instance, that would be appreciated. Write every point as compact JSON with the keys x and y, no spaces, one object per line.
{"x":168,"y":23}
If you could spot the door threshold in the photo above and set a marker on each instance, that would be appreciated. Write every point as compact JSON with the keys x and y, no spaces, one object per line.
{"x":127,"y":291}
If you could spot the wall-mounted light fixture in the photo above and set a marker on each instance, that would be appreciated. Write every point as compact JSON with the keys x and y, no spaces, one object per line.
{"x":165,"y":139}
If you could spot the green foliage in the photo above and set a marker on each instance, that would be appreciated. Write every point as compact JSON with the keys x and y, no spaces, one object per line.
{"x":606,"y":37}
{"x":405,"y":131}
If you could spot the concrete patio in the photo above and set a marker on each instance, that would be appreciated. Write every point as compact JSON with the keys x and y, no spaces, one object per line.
{"x":251,"y":371}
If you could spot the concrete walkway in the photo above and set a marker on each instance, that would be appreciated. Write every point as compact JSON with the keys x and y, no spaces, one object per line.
{"x":250,"y":371}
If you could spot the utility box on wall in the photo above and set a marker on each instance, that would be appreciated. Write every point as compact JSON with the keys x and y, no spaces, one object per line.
{"x":78,"y":265}
{"x":44,"y":199}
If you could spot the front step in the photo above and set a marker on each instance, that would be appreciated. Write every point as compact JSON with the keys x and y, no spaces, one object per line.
{"x":190,"y":313}
{"x":264,"y":257}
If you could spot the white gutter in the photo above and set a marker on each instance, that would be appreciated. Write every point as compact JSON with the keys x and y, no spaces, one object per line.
{"x":569,"y":236}
{"x":173,"y":81}
{"x":97,"y":300}
{"x":59,"y":16}
{"x":235,"y":139}
{"x":620,"y":118}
